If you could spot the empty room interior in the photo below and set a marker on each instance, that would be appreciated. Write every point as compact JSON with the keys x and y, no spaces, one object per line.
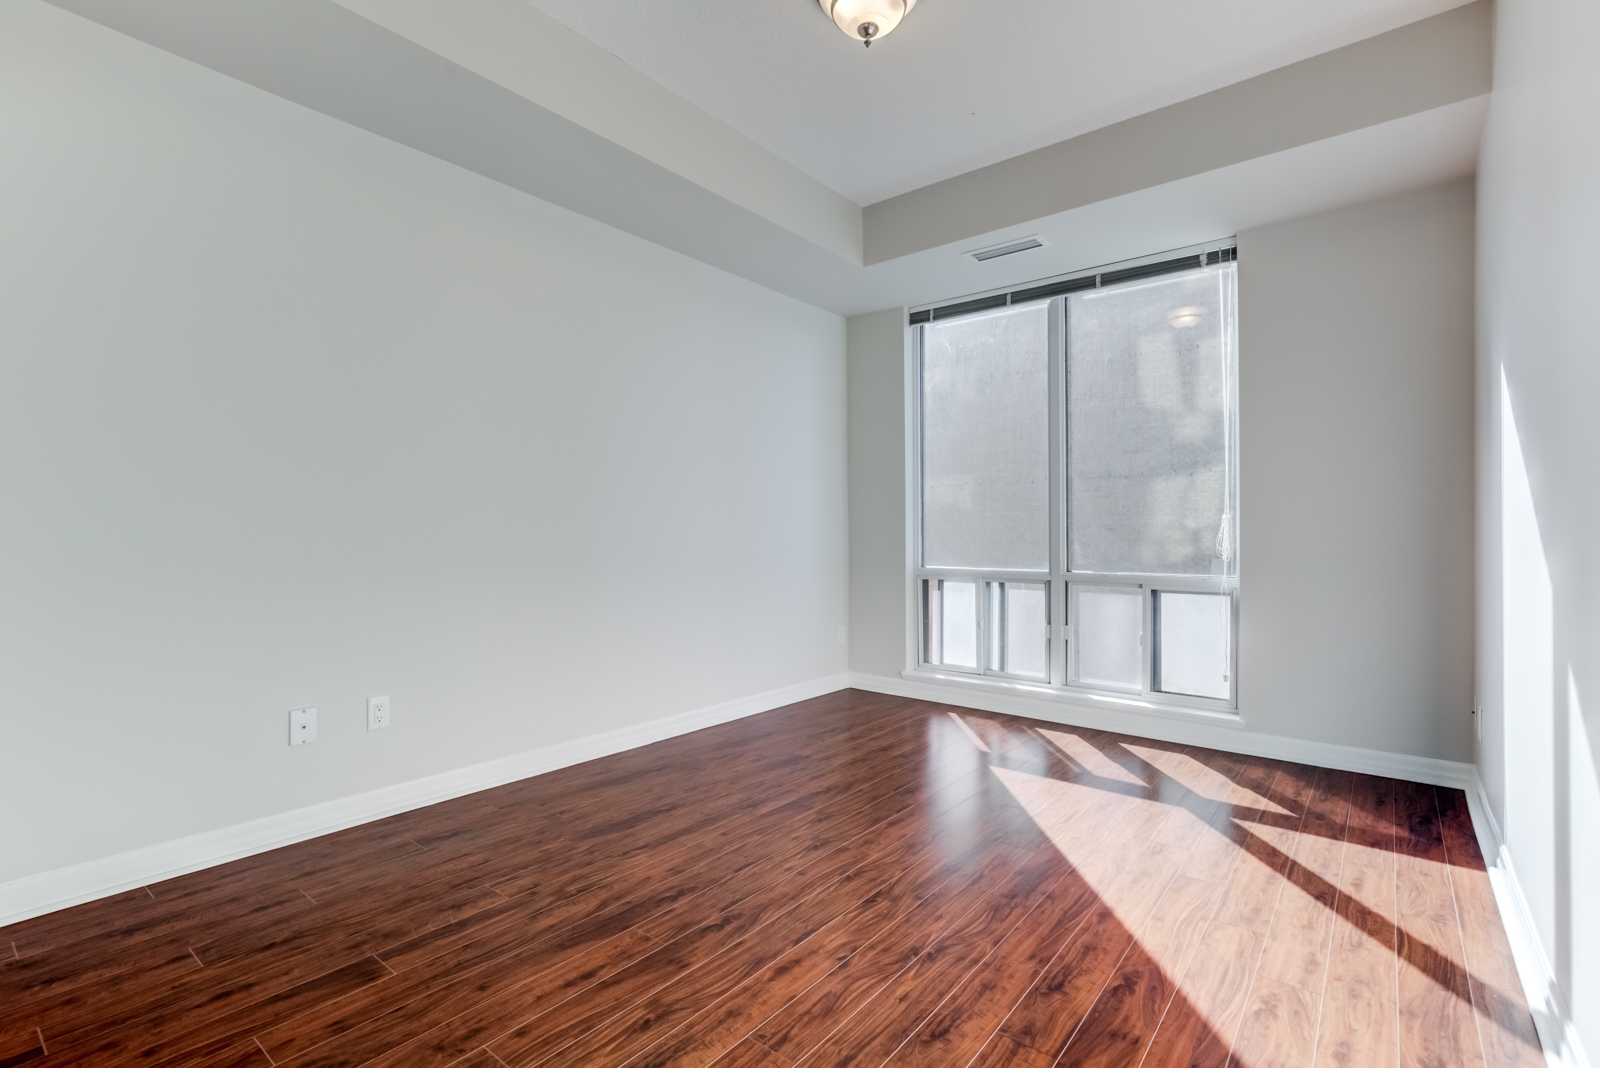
{"x":799,"y":533}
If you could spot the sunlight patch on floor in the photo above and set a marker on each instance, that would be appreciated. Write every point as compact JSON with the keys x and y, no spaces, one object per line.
{"x":1204,"y":781}
{"x":1091,"y":759}
{"x":1158,"y":902}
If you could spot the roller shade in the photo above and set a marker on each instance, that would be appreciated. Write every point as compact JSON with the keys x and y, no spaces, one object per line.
{"x":1095,"y":280}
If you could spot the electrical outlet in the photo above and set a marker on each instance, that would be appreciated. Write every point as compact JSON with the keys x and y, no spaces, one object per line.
{"x":843,"y":634}
{"x":302,"y":726}
{"x":377,"y":713}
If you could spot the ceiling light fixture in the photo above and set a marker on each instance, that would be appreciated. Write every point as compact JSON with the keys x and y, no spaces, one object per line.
{"x":867,"y":19}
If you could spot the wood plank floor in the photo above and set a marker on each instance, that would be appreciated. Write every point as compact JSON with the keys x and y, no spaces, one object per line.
{"x":855,"y":880}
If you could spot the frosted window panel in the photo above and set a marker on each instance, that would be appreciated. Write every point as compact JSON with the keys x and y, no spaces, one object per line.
{"x":1149,"y":369}
{"x":1107,"y":627}
{"x":986,"y":441}
{"x":1192,"y":632}
{"x":950,"y":619}
{"x":1027,"y":641}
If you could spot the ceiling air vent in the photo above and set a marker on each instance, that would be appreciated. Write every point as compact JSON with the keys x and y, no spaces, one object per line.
{"x":994,"y":252}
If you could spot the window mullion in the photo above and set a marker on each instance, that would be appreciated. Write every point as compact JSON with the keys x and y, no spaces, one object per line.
{"x":1148,"y":641}
{"x":1057,"y":589}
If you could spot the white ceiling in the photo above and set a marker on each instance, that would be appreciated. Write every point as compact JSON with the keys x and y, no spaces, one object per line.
{"x":962,"y":83}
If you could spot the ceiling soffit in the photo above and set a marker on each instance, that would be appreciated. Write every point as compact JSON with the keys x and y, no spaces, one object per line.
{"x":1416,"y":68}
{"x":1199,"y":166}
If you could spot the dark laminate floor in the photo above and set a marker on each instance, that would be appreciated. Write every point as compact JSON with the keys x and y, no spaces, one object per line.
{"x":855,"y":880}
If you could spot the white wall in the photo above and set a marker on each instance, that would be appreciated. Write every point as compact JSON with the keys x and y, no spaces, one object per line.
{"x":877,"y":346}
{"x":1539,"y":513}
{"x":291,"y":415}
{"x":1356,"y":465}
{"x":1355,"y":383}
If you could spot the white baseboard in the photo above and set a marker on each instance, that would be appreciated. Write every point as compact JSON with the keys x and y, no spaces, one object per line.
{"x":1182,"y":729}
{"x":1557,"y":1032}
{"x":35,"y":895}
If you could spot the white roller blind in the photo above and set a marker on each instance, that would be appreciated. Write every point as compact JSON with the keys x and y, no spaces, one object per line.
{"x":1149,"y":384}
{"x":985,"y":441}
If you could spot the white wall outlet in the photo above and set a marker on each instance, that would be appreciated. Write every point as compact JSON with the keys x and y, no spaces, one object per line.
{"x":844,"y":634}
{"x":377,"y":713}
{"x":302,"y":726}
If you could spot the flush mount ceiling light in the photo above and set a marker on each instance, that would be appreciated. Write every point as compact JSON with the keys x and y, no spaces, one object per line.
{"x":867,"y":19}
{"x":1185,"y":317}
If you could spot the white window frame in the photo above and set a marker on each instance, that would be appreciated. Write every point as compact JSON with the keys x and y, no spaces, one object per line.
{"x":1057,"y":579}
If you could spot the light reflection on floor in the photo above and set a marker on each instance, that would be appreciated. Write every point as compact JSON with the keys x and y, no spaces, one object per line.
{"x":1259,"y":840}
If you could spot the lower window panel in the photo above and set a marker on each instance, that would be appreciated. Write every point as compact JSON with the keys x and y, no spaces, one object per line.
{"x":1193,"y":650}
{"x":1108,"y":636}
{"x":950,"y":622}
{"x":994,"y":626}
{"x":1019,"y":628}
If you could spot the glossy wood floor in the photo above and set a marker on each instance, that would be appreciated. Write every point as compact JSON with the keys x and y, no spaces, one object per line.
{"x":856,"y":880}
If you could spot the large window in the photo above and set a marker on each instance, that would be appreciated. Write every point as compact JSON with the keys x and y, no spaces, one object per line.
{"x":1078,"y":520}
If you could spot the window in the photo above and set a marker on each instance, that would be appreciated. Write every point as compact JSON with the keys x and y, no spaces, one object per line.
{"x":1077,"y":461}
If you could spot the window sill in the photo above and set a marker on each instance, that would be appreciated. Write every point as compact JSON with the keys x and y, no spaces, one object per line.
{"x":1044,"y":692}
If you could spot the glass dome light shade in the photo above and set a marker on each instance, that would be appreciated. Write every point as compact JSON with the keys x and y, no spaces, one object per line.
{"x":851,"y":15}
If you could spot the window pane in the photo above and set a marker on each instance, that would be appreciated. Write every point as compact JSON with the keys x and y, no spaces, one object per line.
{"x":986,"y":441}
{"x":1192,"y":643}
{"x":1148,"y":426}
{"x":950,"y":621}
{"x":994,"y":612}
{"x":1107,"y":624}
{"x":1027,"y":645}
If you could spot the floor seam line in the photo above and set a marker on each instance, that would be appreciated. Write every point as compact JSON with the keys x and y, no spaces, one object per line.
{"x":1333,"y":927}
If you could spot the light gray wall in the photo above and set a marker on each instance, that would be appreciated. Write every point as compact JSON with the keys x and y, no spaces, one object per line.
{"x":293,"y":415}
{"x":1356,"y":467}
{"x":1356,"y":475}
{"x":877,"y":347}
{"x":1539,"y":483}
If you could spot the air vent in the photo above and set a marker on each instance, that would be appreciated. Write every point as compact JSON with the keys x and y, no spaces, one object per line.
{"x":994,"y":252}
